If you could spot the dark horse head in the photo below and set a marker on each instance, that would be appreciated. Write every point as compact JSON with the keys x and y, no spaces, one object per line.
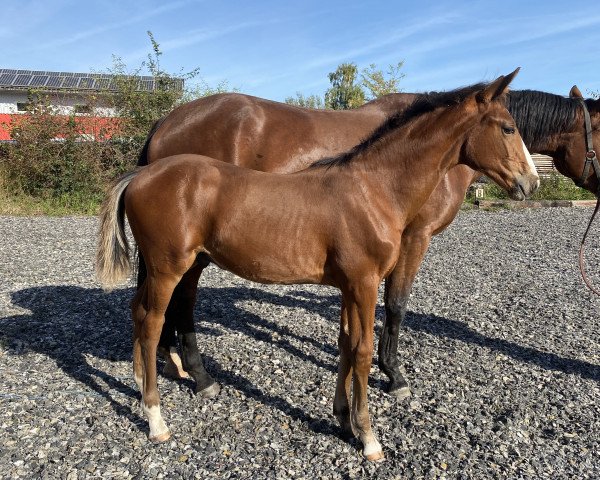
{"x":556,"y":126}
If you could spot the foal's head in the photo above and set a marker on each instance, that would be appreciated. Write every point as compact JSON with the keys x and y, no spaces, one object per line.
{"x":494,"y":146}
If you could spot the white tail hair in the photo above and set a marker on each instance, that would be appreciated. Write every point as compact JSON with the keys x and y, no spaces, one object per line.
{"x":113,"y":265}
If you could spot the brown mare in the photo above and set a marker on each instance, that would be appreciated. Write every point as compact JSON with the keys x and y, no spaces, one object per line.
{"x":336,"y":223}
{"x":270,"y":136}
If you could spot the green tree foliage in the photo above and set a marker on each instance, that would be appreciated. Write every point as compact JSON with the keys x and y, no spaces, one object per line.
{"x":311,"y":101}
{"x":350,"y":90}
{"x":139,"y":108}
{"x":344,"y":93}
{"x":377,"y":84}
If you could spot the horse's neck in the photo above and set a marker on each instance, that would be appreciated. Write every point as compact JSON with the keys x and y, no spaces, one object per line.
{"x":390,"y":103}
{"x":409,"y":162}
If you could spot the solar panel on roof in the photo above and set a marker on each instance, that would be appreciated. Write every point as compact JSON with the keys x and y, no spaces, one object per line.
{"x":22,"y":80}
{"x":55,"y":82}
{"x":7,"y":78}
{"x":102,"y":83}
{"x":70,"y":82}
{"x":86,"y":82}
{"x":146,"y":84}
{"x":39,"y":80}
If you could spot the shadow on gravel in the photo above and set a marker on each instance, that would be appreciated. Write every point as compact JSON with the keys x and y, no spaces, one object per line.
{"x":68,"y":324}
{"x":456,"y":330}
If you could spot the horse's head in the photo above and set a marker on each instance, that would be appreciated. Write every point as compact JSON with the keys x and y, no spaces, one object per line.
{"x":580,"y":143}
{"x":494,"y":146}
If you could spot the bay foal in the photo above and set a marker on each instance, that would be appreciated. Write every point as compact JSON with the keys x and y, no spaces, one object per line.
{"x":337,"y":223}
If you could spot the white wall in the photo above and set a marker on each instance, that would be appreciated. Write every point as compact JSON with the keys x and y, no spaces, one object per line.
{"x":63,"y":101}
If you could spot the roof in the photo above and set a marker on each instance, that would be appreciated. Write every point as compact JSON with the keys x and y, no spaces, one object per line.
{"x":68,"y":81}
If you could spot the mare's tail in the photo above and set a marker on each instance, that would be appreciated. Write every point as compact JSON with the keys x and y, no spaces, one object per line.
{"x":112,"y":256}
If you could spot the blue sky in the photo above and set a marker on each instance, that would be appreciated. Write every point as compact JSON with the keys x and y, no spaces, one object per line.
{"x":274,"y":49}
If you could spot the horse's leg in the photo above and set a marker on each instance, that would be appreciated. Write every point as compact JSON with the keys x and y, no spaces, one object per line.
{"x":148,"y":311}
{"x":341,"y":402}
{"x":184,"y":298}
{"x":167,"y":349}
{"x":138,"y":311}
{"x":167,"y":345}
{"x":397,"y":292}
{"x":360,"y":306}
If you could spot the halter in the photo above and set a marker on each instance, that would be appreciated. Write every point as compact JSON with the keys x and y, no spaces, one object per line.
{"x":590,"y":153}
{"x":590,"y":160}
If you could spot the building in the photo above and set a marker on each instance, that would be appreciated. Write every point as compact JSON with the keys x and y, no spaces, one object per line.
{"x":69,"y":93}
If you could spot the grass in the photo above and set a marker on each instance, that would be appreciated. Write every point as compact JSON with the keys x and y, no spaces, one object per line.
{"x":20,"y":204}
{"x":552,"y":187}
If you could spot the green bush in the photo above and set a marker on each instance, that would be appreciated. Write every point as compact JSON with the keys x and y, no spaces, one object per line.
{"x":49,"y":158}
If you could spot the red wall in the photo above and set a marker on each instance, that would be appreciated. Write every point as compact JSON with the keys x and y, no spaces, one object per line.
{"x":101,"y":128}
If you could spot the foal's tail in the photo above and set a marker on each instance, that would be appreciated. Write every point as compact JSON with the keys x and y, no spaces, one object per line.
{"x":112,"y":257}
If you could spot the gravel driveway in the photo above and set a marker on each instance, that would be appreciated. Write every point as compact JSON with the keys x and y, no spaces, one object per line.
{"x":501,"y":346}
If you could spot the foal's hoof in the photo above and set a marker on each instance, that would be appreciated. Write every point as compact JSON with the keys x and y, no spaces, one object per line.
{"x":210,"y":391}
{"x":376,"y":456}
{"x":372,"y":451}
{"x":401,"y":393}
{"x":162,"y":437}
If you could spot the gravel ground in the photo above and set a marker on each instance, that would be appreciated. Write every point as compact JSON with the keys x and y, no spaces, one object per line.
{"x":501,"y":346}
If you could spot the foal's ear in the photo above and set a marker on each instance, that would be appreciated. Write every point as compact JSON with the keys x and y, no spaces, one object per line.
{"x":497,"y":88}
{"x":575,"y":92}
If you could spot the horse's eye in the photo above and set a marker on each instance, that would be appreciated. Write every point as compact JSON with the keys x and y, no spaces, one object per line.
{"x":508,"y":130}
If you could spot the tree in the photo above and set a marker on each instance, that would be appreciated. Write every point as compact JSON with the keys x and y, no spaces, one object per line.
{"x":139,"y":107}
{"x":344,"y":92}
{"x":312,"y":101}
{"x":377,"y":84}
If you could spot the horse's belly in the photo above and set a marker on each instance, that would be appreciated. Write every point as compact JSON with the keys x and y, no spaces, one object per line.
{"x":268,"y":270}
{"x":270,"y":267}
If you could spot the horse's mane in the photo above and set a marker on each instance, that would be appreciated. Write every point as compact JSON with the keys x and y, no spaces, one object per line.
{"x":539,"y":115}
{"x":424,"y":103}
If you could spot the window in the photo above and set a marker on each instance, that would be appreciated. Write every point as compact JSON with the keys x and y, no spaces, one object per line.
{"x":82,"y":109}
{"x":22,"y":106}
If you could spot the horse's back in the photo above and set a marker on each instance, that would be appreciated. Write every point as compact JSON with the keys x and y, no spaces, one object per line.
{"x":263,"y":134}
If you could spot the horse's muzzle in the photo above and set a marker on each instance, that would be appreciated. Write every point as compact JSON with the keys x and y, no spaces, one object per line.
{"x":524,"y":186}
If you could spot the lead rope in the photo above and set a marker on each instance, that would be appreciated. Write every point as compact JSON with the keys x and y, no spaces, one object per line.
{"x":581,"y":249}
{"x":590,"y":161}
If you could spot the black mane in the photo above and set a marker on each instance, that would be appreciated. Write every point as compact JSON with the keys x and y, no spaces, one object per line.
{"x":424,"y":103}
{"x":539,"y":115}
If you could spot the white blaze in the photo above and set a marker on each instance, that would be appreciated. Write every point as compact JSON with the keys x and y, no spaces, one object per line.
{"x":529,"y":159}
